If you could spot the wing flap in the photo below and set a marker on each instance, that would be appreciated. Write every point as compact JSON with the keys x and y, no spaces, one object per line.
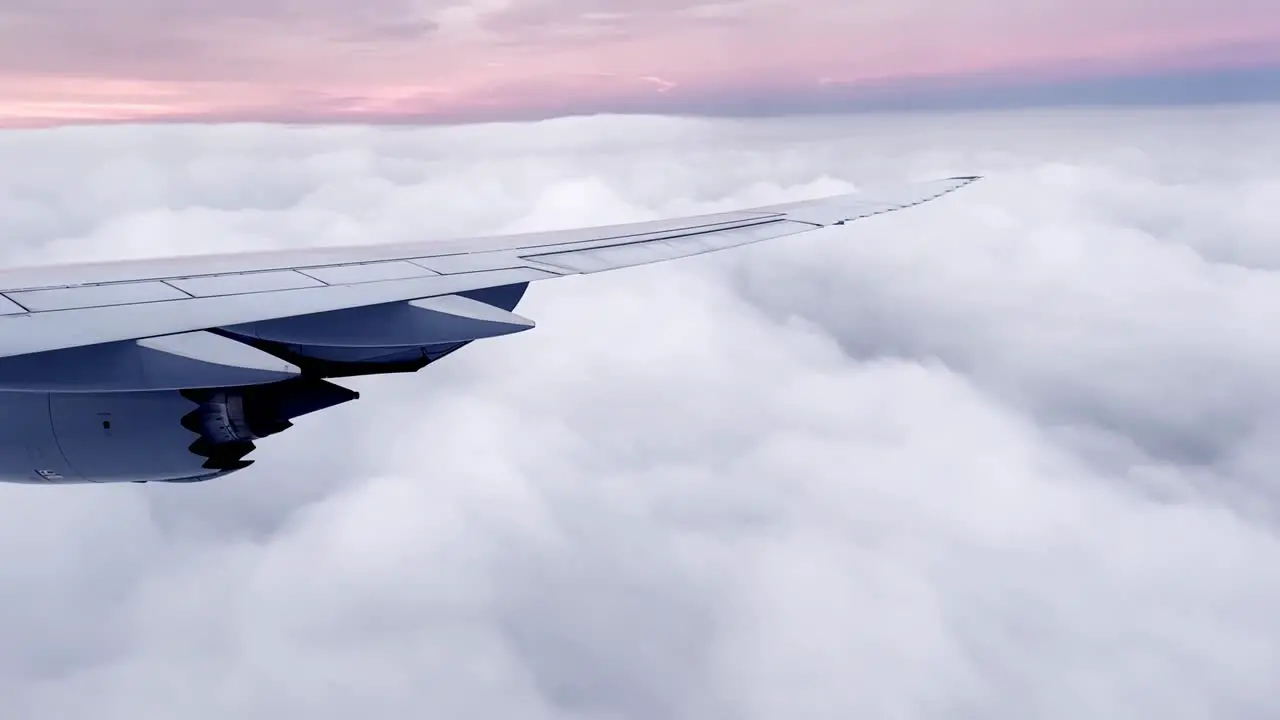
{"x":85,"y":296}
{"x":469,"y":262}
{"x":368,"y":272}
{"x":241,"y":283}
{"x":611,"y":257}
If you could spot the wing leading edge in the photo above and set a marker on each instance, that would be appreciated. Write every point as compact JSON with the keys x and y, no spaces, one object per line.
{"x":61,"y":307}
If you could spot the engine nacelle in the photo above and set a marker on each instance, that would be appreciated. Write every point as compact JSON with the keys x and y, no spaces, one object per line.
{"x":165,"y":436}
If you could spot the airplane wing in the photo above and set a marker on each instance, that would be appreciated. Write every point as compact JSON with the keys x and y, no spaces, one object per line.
{"x":57,"y":307}
{"x":101,"y":363}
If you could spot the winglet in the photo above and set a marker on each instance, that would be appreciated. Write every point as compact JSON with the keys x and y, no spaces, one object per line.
{"x":840,"y":209}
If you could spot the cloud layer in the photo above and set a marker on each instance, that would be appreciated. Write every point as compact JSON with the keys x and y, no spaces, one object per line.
{"x":68,"y":60}
{"x":1010,"y":454}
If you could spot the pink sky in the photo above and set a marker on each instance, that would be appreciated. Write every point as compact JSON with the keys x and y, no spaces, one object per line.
{"x":76,"y":60}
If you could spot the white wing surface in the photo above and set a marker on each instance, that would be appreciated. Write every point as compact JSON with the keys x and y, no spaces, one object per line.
{"x":297,"y":296}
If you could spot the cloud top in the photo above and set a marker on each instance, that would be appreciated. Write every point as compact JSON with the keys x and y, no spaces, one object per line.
{"x":1009,"y":454}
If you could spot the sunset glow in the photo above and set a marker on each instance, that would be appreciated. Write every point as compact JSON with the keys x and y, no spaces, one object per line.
{"x":389,"y":60}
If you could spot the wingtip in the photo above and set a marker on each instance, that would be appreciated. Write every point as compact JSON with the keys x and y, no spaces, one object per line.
{"x":951,"y":184}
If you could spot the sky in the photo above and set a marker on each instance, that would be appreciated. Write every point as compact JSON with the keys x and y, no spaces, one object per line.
{"x":1008,"y":454}
{"x":414,"y":61}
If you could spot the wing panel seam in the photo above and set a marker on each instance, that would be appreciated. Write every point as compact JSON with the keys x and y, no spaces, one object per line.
{"x":175,"y":287}
{"x":303,"y":271}
{"x":15,"y":302}
{"x":771,"y":221}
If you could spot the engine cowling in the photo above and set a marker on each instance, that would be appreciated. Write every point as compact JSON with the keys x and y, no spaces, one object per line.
{"x":166,"y":436}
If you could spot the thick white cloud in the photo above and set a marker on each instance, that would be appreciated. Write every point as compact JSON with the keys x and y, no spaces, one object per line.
{"x":1010,"y":454}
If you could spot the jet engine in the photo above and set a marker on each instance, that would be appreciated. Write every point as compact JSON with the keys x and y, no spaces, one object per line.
{"x":174,"y":436}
